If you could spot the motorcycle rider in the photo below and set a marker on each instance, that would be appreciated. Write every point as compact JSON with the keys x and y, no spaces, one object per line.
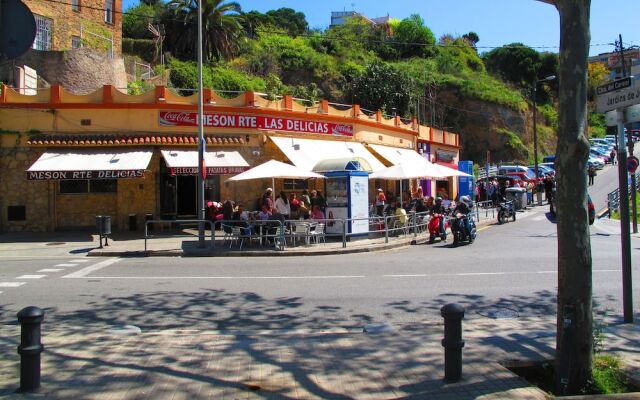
{"x":438,"y":209}
{"x":463,"y":208}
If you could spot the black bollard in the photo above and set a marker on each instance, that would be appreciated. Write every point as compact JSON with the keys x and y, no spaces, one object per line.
{"x":30,"y":348}
{"x":452,"y":342}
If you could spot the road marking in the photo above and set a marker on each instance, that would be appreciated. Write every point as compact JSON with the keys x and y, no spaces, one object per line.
{"x":546,"y":272}
{"x":483,"y":228}
{"x":65,"y":265}
{"x":227,"y":277}
{"x":31,"y":277}
{"x":11,"y":284}
{"x":79,"y":261}
{"x":51,"y":270}
{"x":480,"y":273}
{"x":539,"y":218}
{"x":86,"y":271}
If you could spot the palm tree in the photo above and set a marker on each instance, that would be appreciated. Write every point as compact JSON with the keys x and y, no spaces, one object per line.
{"x":222,"y":31}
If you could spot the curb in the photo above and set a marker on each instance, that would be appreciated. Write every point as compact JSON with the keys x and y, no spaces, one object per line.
{"x":302,"y":252}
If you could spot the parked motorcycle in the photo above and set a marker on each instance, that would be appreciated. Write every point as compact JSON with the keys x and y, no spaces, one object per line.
{"x":506,"y":210}
{"x":434,"y":228}
{"x":459,"y":232}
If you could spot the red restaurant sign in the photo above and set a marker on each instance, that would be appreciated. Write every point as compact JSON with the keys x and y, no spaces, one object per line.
{"x":210,"y":170}
{"x":215,"y":120}
{"x":108,"y":174}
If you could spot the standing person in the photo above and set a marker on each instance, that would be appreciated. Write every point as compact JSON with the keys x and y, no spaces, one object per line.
{"x":268,"y":200}
{"x":283,"y":207}
{"x":592,"y":174}
{"x":317,"y":214}
{"x":295,"y":206}
{"x":612,"y":156}
{"x":381,"y":200}
{"x":548,"y":188}
{"x":304,"y":198}
{"x":321,"y":201}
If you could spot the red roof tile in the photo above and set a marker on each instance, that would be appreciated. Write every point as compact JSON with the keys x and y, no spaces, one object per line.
{"x":59,"y":140}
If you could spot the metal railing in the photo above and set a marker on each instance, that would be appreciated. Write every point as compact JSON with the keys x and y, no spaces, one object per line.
{"x":613,"y":198}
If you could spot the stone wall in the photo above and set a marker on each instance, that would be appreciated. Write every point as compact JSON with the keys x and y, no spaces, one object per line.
{"x":79,"y":71}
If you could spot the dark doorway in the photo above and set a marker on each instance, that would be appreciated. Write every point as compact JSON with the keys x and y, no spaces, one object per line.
{"x":186,"y":194}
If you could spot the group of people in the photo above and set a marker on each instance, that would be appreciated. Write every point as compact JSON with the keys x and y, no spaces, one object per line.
{"x":389,"y":205}
{"x":419,"y":203}
{"x":310,"y":205}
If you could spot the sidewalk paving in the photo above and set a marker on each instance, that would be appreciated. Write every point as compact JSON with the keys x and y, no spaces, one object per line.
{"x":399,"y":362}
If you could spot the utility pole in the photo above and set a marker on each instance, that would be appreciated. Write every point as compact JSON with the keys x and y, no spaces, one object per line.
{"x":625,"y":234}
{"x":202,"y":168}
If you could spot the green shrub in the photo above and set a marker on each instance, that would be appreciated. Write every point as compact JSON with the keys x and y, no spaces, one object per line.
{"x":144,"y":48}
{"x":184,"y":75}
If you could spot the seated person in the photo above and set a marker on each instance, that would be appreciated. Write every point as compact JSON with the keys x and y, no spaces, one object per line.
{"x":317,"y":214}
{"x":401,"y":214}
{"x":438,"y":209}
{"x":463,"y":208}
{"x":264,"y":214}
{"x":242,"y":217}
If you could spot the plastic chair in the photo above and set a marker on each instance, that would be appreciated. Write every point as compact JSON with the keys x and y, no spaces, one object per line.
{"x":300,"y":229}
{"x":319,"y":233}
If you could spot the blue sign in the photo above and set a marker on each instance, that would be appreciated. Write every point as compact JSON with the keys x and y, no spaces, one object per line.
{"x":465,"y":183}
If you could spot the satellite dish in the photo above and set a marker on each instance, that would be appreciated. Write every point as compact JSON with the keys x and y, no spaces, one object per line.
{"x":17,"y":28}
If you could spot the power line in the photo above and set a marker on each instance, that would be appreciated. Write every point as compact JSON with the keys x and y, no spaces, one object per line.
{"x":337,"y":39}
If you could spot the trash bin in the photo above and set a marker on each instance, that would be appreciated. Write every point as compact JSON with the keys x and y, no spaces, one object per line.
{"x":133,"y":222}
{"x":518,"y":196}
{"x":103,"y":224}
{"x":148,"y":217}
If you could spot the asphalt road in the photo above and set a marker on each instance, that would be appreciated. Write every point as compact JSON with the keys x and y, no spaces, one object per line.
{"x":509,"y":271}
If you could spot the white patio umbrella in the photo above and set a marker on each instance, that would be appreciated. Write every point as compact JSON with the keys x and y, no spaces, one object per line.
{"x":447,"y":172}
{"x":275,"y":169}
{"x":409,"y":170}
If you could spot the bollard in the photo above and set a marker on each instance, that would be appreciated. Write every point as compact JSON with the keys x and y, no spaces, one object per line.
{"x":452,"y":342}
{"x":30,"y":348}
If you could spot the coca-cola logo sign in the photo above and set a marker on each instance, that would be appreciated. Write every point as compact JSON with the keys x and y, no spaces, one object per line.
{"x":236,"y":121}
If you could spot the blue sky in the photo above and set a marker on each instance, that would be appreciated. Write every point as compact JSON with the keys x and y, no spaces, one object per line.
{"x":497,"y":22}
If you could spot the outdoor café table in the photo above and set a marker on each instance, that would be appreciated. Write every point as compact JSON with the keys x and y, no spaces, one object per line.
{"x":263,"y":228}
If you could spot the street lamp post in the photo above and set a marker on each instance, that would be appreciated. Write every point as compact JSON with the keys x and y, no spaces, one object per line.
{"x":202,"y":172}
{"x":535,"y":131}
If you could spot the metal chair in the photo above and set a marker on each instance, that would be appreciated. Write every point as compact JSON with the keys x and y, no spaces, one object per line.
{"x":319,"y":233}
{"x":300,"y":229}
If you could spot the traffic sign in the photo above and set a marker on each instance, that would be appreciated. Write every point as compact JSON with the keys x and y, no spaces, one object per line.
{"x":633,"y":114}
{"x":632,"y":164}
{"x":620,"y":93}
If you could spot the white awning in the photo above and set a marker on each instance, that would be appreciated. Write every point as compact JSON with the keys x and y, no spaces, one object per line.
{"x":397,"y":155}
{"x":185,"y":162}
{"x":306,"y":153}
{"x":90,"y":164}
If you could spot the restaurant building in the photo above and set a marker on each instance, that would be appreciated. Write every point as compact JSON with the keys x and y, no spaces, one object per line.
{"x":67,"y":158}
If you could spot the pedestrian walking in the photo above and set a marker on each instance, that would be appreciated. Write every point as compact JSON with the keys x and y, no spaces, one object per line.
{"x":612,"y":156}
{"x":380,"y":202}
{"x":592,"y":174}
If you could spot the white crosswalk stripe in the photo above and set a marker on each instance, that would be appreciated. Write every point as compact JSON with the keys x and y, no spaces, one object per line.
{"x":11,"y":284}
{"x":65,"y":265}
{"x":79,"y":261}
{"x":51,"y":270}
{"x":31,"y":277}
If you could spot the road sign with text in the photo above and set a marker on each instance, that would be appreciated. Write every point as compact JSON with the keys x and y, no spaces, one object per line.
{"x":620,"y":93}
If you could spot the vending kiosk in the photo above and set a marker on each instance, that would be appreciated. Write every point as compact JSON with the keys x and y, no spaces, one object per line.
{"x":347,"y":194}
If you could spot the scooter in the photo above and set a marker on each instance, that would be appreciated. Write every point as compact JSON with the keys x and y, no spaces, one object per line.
{"x":460,"y":234}
{"x":434,"y":228}
{"x":506,"y":210}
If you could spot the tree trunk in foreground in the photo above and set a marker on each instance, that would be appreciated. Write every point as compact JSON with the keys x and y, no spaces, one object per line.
{"x":574,"y":325}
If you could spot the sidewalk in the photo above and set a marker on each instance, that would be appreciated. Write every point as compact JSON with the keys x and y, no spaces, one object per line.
{"x":398,"y":362}
{"x":170,"y":244}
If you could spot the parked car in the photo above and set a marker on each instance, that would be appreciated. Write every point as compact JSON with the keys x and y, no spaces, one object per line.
{"x":521,"y":171}
{"x":543,"y":170}
{"x":548,"y":159}
{"x":591,"y":209}
{"x":597,"y":162}
{"x":597,"y":154}
{"x":550,"y":165}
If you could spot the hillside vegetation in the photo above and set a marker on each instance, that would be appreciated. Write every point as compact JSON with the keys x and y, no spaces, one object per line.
{"x":396,"y":67}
